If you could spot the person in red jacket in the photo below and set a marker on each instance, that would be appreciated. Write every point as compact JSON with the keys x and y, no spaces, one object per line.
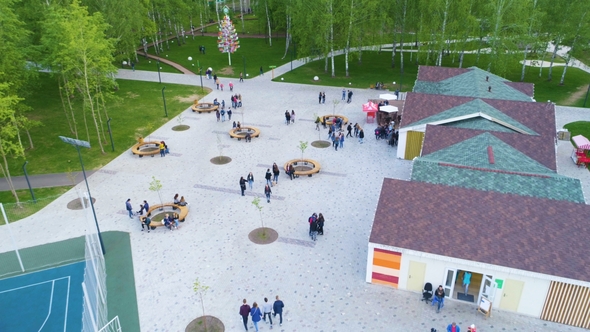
{"x":244,"y":312}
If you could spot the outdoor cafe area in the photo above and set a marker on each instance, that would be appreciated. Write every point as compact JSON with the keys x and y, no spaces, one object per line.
{"x":384,"y":110}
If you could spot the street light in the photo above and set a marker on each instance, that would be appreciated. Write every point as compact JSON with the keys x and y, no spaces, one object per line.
{"x":28,"y":183}
{"x":164,"y":98}
{"x":78,"y":143}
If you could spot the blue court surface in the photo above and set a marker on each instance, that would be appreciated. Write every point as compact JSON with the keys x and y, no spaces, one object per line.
{"x":47,"y":300}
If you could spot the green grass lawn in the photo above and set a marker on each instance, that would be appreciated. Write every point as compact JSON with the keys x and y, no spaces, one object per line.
{"x":151,"y":65}
{"x":377,"y":67}
{"x":138,"y":110}
{"x":579,"y":128}
{"x":44,"y":196}
{"x":254,"y":52}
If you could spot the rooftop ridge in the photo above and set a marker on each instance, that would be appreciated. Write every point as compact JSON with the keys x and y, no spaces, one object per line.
{"x":494,"y":170}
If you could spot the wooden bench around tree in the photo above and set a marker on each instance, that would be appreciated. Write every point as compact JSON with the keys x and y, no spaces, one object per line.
{"x":242,"y":131}
{"x":204,"y":107}
{"x":140,"y":148}
{"x":330,"y":117}
{"x":181,"y":210}
{"x":295,"y":162}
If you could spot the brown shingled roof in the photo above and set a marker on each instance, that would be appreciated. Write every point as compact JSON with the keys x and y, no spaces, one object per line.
{"x":526,"y":233}
{"x":526,"y":88}
{"x":437,"y":74}
{"x":540,"y":148}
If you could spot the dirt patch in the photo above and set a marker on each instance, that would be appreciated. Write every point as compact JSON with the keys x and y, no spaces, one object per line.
{"x":189,"y":99}
{"x":320,"y":144}
{"x":263,"y":235}
{"x":76,"y":204}
{"x":226,"y":71}
{"x":221,"y":160}
{"x":181,"y":128}
{"x":206,"y":324}
{"x":132,"y":95}
{"x":574,"y":97}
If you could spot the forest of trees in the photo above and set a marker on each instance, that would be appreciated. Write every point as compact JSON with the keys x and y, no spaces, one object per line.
{"x":80,"y":42}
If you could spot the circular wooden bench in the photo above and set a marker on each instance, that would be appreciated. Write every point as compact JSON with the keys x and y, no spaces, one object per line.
{"x":303,"y":162}
{"x":141,"y":148}
{"x":181,"y":210}
{"x":204,"y":107}
{"x":242,"y":131}
{"x":330,"y":117}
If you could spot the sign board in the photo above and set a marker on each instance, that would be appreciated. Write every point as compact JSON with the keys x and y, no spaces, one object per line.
{"x":485,"y":306}
{"x":499,"y":283}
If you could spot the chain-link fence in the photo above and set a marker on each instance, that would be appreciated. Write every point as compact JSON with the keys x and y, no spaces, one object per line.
{"x":18,"y":211}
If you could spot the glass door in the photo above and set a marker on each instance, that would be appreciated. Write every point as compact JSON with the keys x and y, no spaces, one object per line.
{"x":449,"y":282}
{"x":488,"y":288}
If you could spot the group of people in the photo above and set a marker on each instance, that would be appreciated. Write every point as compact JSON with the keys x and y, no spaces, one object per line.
{"x":268,"y":310}
{"x":322,"y":98}
{"x":337,"y":139}
{"x":316,"y":225}
{"x":220,"y":114}
{"x":289,"y":117}
{"x":250,"y":180}
{"x":387,"y":132}
{"x":453,"y":327}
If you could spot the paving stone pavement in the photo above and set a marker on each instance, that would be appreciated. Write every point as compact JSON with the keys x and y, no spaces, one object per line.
{"x":321,"y":283}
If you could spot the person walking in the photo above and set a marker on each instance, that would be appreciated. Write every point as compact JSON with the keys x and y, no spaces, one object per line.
{"x":292,"y":116}
{"x":310,"y":220}
{"x":320,"y":98}
{"x":349,"y":97}
{"x":349,"y":130}
{"x":231,"y":86}
{"x":229,"y":114}
{"x":256,"y":315}
{"x":242,"y":185}
{"x":217,"y":82}
{"x":267,"y":310}
{"x":323,"y":97}
{"x":250,"y":179}
{"x":466,"y":280}
{"x":217,"y":114}
{"x":222,"y":115}
{"x":287,"y":117}
{"x":241,"y":77}
{"x":453,"y":327}
{"x":321,"y":224}
{"x":267,"y":193}
{"x":277,"y":308}
{"x":313,"y":228}
{"x":275,"y":172}
{"x":356,"y":129}
{"x":261,"y":71}
{"x":129,"y":208}
{"x":341,"y":140}
{"x":244,"y":312}
{"x":268,"y":177}
{"x":335,"y":141}
{"x":343,"y":94}
{"x":361,"y":136}
{"x":221,"y":86}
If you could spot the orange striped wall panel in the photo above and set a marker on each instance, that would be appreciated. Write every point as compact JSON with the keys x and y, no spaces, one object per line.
{"x":386,"y":265}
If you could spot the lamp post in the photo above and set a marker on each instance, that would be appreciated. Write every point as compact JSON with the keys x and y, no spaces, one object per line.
{"x":159,"y":76}
{"x":111,"y":134}
{"x":164,"y":98}
{"x":28,"y":183}
{"x":201,"y":75}
{"x":586,"y":99}
{"x":244,"y":60}
{"x":78,"y":143}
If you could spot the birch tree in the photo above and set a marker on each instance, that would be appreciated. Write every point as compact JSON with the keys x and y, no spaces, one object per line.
{"x":10,"y":145}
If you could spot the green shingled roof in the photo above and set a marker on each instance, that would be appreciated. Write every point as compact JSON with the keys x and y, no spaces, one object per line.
{"x":473,"y":84}
{"x":512,"y":171}
{"x":479,"y":124}
{"x":555,"y":187}
{"x":473,"y":107}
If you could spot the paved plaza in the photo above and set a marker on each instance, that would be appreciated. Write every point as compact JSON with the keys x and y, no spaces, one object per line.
{"x":321,"y":283}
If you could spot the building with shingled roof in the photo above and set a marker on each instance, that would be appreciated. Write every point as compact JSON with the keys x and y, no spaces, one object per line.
{"x":484,"y":198}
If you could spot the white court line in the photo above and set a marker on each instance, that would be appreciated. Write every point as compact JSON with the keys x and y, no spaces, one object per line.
{"x":67,"y":305}
{"x":50,"y":305}
{"x":31,"y":285}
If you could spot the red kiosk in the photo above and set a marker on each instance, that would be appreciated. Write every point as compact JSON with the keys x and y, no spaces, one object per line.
{"x":581,"y":145}
{"x":371,"y":109}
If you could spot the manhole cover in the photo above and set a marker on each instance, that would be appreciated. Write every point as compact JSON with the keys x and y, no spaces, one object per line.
{"x":263,"y":235}
{"x":76,"y":204}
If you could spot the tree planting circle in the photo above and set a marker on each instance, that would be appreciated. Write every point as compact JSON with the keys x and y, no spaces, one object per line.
{"x":320,"y":144}
{"x":76,"y":204}
{"x":220,"y":160}
{"x":180,"y":128}
{"x":205,"y":324}
{"x":263,"y":235}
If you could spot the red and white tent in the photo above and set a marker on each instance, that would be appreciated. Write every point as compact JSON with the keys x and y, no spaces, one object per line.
{"x":581,"y":142}
{"x":370,"y":107}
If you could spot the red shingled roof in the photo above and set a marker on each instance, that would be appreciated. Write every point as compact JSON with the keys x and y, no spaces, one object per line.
{"x":521,"y":232}
{"x":526,"y":88}
{"x":437,"y":74}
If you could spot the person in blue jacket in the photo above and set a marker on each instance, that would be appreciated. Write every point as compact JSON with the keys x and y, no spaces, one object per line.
{"x":256,"y":315}
{"x":453,"y":327}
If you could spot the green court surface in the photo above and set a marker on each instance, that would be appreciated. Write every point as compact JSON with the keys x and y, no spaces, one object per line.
{"x":46,"y":262}
{"x":46,"y":300}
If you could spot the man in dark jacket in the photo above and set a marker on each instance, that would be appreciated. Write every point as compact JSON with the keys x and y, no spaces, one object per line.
{"x":277,"y":307}
{"x":244,"y":312}
{"x":268,"y":176}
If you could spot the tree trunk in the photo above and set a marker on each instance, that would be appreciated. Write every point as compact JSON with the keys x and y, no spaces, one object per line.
{"x":64,"y":107}
{"x":542,"y":61}
{"x":6,"y":172}
{"x":30,"y":139}
{"x":393,"y":52}
{"x":288,"y":39}
{"x":242,"y":15}
{"x":442,"y":41}
{"x":268,"y":22}
{"x":550,"y":76}
{"x":332,"y":38}
{"x":526,"y":50}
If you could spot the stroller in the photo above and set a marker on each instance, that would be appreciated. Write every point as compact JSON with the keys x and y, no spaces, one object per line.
{"x":427,"y":292}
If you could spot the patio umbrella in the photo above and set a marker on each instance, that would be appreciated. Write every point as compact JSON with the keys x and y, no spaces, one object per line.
{"x":370,"y":107}
{"x":388,"y":109}
{"x":388,"y":96}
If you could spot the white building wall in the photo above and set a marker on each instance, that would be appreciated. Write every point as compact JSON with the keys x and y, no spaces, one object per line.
{"x":401,"y":144}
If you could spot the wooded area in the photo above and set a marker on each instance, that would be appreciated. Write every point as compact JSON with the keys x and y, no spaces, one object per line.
{"x":81,"y":41}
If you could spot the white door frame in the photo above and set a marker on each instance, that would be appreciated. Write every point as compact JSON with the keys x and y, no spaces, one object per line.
{"x":488,"y":287}
{"x":449,"y":285}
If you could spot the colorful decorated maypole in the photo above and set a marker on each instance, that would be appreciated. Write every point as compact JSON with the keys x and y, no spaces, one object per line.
{"x":227,"y":40}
